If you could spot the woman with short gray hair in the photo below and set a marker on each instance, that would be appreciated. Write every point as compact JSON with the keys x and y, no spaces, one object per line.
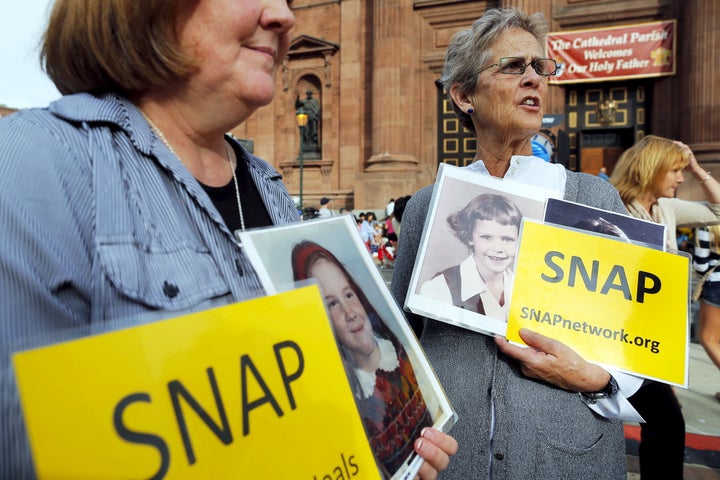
{"x":524,"y":413}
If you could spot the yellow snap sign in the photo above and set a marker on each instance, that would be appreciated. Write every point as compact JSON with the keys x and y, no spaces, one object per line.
{"x":614,"y":302}
{"x":250,"y":390}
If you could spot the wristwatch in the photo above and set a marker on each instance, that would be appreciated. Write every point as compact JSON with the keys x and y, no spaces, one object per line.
{"x":610,"y":389}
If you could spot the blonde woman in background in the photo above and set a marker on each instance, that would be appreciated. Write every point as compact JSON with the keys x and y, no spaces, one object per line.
{"x":705,"y":257}
{"x":647,"y":176}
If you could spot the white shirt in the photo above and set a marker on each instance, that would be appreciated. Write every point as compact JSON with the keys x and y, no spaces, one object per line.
{"x":471,"y":284}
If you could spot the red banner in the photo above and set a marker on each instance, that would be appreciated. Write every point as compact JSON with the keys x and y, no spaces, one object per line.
{"x":629,"y":51}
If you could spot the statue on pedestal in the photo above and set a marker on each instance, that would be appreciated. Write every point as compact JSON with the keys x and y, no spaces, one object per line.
{"x":311,"y":137}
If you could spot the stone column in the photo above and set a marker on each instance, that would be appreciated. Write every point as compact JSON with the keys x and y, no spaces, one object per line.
{"x":694,"y":111}
{"x":698,"y":63}
{"x":393,"y":86}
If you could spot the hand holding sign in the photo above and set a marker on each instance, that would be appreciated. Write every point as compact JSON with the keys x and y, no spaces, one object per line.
{"x":553,"y":361}
{"x":569,"y":288}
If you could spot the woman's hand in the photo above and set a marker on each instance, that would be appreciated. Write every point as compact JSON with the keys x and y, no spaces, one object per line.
{"x":436,"y":448}
{"x":554,"y":362}
{"x":710,"y":186}
{"x":693,"y":167}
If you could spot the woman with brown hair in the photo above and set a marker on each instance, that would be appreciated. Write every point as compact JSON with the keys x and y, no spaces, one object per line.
{"x":119,"y":201}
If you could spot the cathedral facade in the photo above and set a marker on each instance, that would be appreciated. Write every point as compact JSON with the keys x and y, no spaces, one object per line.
{"x":383,"y":126}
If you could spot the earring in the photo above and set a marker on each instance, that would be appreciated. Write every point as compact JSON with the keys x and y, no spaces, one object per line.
{"x":470,"y":111}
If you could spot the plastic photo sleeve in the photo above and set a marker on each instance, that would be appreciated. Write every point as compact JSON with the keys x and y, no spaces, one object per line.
{"x":464,"y":273}
{"x":395,"y":388}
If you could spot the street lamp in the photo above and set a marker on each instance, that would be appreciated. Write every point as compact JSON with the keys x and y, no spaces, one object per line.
{"x":301,"y":118}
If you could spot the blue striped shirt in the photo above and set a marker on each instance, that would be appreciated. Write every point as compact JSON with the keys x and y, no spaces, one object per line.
{"x":103,"y":227}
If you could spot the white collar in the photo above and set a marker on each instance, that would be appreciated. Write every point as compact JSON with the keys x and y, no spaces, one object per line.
{"x":472,"y":283}
{"x":530,"y":170}
{"x":388,"y":362}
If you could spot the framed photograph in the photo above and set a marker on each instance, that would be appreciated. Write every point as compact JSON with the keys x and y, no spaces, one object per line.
{"x":395,"y":388}
{"x":463,"y":274}
{"x":623,"y":227}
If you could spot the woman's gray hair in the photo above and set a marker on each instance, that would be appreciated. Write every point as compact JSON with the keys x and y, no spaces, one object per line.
{"x":469,"y":50}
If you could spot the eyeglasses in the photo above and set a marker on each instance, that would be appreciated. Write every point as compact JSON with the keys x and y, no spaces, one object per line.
{"x":516,"y":66}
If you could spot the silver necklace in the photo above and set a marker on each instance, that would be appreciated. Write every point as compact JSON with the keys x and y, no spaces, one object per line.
{"x":237,"y":188}
{"x":164,"y":140}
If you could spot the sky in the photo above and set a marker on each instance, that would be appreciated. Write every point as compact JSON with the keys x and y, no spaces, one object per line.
{"x":23,"y":84}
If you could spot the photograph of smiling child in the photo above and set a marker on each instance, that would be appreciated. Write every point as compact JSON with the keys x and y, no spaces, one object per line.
{"x":489,"y":227}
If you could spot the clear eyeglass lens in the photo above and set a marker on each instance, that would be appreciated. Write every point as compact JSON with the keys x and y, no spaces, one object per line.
{"x":517,"y":66}
{"x":512,"y":65}
{"x":544,"y":66}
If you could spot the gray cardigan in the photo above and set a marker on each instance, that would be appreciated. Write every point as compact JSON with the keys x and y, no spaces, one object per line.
{"x":540,"y":431}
